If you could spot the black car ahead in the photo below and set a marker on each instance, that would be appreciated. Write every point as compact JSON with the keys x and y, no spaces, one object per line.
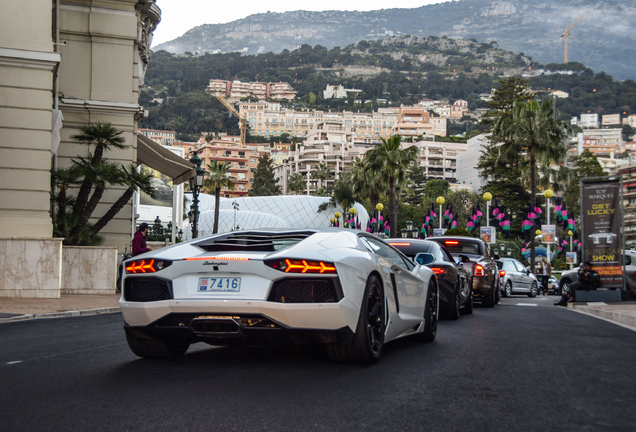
{"x":455,"y":290}
{"x":478,"y":262}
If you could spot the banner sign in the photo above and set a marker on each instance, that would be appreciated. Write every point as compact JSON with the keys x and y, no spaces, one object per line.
{"x":548,"y":233}
{"x":570,"y":258}
{"x":488,"y":234}
{"x":601,"y":222}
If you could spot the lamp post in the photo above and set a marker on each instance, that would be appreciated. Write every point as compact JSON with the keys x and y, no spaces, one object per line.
{"x":352,"y":218}
{"x":379,"y":207}
{"x":440,"y":200}
{"x":548,"y":194}
{"x":337,"y":216}
{"x":195,"y":185}
{"x":404,"y":232}
{"x":157,"y":228}
{"x":236,"y":207}
{"x":487,"y":198}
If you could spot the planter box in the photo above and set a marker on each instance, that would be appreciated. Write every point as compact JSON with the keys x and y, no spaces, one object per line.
{"x":89,"y":270}
{"x":30,"y":268}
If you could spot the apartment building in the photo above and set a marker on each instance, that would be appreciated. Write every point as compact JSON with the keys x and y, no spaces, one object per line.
{"x":269,"y":119}
{"x":603,"y":142}
{"x":338,"y":92}
{"x":330,"y":142}
{"x":162,"y":137}
{"x":628,"y":174}
{"x":242,"y":160}
{"x":630,"y":120}
{"x":439,"y":159}
{"x":589,"y":120}
{"x":236,"y":90}
{"x":611,"y":120}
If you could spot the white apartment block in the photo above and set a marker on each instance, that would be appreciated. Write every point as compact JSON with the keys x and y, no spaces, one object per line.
{"x":331,"y":143}
{"x":603,"y":141}
{"x":163,"y":137}
{"x":338,"y":92}
{"x":589,"y":120}
{"x":439,"y":159}
{"x":467,"y":172}
{"x":236,"y":90}
{"x":630,"y":120}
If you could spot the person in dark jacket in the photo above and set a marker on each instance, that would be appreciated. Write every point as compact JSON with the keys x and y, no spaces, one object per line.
{"x":139,"y":240}
{"x":588,"y":279}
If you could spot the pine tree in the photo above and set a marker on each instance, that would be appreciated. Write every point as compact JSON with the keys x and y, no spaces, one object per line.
{"x":265,"y":184}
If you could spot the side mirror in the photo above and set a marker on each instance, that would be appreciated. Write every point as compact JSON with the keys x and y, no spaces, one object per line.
{"x":463,"y":258}
{"x":423,"y":258}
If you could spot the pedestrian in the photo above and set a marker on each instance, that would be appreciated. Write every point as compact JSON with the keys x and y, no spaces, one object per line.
{"x":588,"y":279}
{"x":546,"y":273}
{"x":139,"y":240}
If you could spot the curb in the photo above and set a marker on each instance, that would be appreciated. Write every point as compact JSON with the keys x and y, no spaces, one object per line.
{"x":65,"y":314}
{"x":624,"y":320}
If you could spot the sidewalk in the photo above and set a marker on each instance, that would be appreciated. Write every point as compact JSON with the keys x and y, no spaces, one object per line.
{"x":19,"y":309}
{"x":621,"y":313}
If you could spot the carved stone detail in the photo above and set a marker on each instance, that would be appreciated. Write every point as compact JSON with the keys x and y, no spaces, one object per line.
{"x":149,"y":15}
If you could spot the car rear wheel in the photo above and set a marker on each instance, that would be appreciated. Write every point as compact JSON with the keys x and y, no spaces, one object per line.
{"x":508,"y":289}
{"x":431,"y":311}
{"x":149,"y":347}
{"x":565,"y":287}
{"x":368,"y":339}
{"x":453,"y":308}
{"x":468,"y":307}
{"x":533,"y":290}
{"x":491,"y":297}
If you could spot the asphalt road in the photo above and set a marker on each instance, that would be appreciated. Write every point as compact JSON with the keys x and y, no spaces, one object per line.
{"x":525,"y":365}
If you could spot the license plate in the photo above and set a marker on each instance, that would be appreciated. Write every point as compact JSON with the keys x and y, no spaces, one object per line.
{"x":219,"y":284}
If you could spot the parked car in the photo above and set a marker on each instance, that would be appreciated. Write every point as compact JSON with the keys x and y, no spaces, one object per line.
{"x":455,"y":293}
{"x":344,"y":289}
{"x":516,"y":279}
{"x":478,"y":262}
{"x":629,"y":273}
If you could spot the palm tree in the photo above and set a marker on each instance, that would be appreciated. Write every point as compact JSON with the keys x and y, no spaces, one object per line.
{"x":322,"y":173}
{"x":391,"y":162}
{"x":366,"y":183}
{"x":296,"y":183}
{"x":218,"y":178}
{"x":104,"y":136}
{"x":133,"y":179}
{"x":343,"y":194}
{"x":534,"y":129}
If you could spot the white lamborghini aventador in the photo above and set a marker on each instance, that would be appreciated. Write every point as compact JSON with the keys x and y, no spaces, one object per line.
{"x":345,"y":289}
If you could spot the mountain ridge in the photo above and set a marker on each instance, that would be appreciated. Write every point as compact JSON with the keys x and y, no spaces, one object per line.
{"x":603,"y":40}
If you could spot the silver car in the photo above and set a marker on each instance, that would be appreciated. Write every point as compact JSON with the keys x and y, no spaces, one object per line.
{"x":516,"y":279}
{"x":629,"y":259}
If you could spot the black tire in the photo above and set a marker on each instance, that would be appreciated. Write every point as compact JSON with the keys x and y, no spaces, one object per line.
{"x":431,"y":313}
{"x":491,"y":298}
{"x":368,"y":340}
{"x":149,"y":347}
{"x":508,"y":289}
{"x":468,"y":307}
{"x":453,"y":311}
{"x":533,"y":290}
{"x":498,"y":294}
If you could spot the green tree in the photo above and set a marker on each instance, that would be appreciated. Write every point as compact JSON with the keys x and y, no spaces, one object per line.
{"x":94,"y":174}
{"x":391,"y":162}
{"x":343,"y":194}
{"x":296,"y":183}
{"x":366,"y":183}
{"x":321,"y":173}
{"x":265,"y":183}
{"x":435,"y":188}
{"x":533,"y":129}
{"x":218,"y":177}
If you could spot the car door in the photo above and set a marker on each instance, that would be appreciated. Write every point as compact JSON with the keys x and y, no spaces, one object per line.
{"x":522,"y":278}
{"x":629,"y":258}
{"x":408,"y":290}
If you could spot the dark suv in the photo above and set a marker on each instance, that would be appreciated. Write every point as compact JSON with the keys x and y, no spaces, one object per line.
{"x":477,"y":261}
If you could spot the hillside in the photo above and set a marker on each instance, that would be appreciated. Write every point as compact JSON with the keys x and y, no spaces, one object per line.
{"x":603,"y":40}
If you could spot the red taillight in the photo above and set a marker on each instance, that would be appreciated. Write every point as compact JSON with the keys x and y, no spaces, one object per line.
{"x":438,"y":271}
{"x":451,"y":242}
{"x":502,"y":273}
{"x":302,"y":266}
{"x":479,"y":270}
{"x":219,"y":257}
{"x":141,"y":266}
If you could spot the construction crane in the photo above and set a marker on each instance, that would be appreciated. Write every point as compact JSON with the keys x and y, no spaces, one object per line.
{"x":242,"y":121}
{"x":566,"y":35}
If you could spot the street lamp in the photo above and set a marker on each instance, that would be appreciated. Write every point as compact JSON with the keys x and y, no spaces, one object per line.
{"x":404,"y":231}
{"x":337,"y":216}
{"x":548,"y":194}
{"x":157,"y":228}
{"x":570,"y":233}
{"x":352,"y":217}
{"x":195,"y":185}
{"x":409,"y":225}
{"x":487,"y":198}
{"x":440,"y":200}
{"x":379,"y":207}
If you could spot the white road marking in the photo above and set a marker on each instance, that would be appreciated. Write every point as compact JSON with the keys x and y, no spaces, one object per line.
{"x":526,"y":304}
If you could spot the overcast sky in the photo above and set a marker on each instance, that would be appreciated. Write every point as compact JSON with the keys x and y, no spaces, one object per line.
{"x":179,"y":16}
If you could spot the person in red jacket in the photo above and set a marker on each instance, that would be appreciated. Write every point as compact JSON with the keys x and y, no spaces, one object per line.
{"x":139,"y":240}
